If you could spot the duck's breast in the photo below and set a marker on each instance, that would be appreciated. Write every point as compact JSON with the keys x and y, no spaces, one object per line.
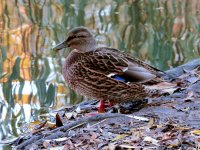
{"x":70,"y":69}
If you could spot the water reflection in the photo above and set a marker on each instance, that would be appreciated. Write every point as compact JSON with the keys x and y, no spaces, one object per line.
{"x":163,"y":33}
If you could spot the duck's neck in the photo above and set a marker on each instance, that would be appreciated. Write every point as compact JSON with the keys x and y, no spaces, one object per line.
{"x":71,"y":58}
{"x":88,"y":45}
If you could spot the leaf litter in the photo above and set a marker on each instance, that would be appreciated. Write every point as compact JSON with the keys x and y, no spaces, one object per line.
{"x":169,"y":121}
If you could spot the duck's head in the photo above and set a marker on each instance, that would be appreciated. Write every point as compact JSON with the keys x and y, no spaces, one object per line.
{"x":79,"y":38}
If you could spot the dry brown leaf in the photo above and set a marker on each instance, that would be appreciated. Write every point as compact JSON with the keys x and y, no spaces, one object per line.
{"x":196,"y":132}
{"x":58,"y":120}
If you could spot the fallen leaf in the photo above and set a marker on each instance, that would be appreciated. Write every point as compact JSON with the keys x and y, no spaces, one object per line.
{"x":46,"y":144}
{"x":196,"y":132}
{"x":58,"y":120}
{"x":58,"y":139}
{"x":79,"y":144}
{"x":69,"y":115}
{"x":9,"y":141}
{"x":152,"y":140}
{"x":129,"y":146}
{"x":78,"y":110}
{"x":151,"y":122}
{"x":112,"y":146}
{"x":174,"y":145}
{"x":69,"y":145}
{"x":198,"y":139}
{"x":166,"y":136}
{"x":192,"y":79}
{"x":94,"y":135}
{"x":190,"y":96}
{"x":34,"y":125}
{"x":138,"y":118}
{"x":57,"y":148}
{"x":119,"y":137}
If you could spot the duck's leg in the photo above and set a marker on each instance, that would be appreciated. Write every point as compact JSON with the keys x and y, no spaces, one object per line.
{"x":111,"y":103}
{"x":102,"y":106}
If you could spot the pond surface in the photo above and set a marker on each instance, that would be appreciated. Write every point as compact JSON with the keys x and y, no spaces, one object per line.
{"x":164,"y":33}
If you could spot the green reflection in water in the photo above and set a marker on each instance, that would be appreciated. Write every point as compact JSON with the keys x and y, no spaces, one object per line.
{"x":163,"y":33}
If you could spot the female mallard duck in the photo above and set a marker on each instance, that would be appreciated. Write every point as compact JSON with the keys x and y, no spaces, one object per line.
{"x":103,"y":73}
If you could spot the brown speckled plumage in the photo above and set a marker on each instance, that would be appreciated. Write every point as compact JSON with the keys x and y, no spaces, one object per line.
{"x":91,"y":71}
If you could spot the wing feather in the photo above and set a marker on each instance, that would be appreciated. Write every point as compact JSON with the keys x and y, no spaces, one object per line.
{"x":112,"y":62}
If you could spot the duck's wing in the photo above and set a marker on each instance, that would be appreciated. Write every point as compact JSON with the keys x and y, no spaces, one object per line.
{"x":134,"y":60}
{"x":104,"y":62}
{"x":115,"y":64}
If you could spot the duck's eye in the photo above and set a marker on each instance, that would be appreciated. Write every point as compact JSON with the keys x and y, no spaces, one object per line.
{"x":80,"y":36}
{"x":70,"y":38}
{"x":74,"y":37}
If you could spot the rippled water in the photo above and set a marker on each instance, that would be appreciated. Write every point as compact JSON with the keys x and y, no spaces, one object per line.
{"x":164,"y":33}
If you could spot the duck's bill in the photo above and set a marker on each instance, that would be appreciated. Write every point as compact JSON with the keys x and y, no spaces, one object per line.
{"x":60,"y":46}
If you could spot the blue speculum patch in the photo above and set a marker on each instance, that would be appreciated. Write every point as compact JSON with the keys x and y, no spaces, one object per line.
{"x":119,"y":78}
